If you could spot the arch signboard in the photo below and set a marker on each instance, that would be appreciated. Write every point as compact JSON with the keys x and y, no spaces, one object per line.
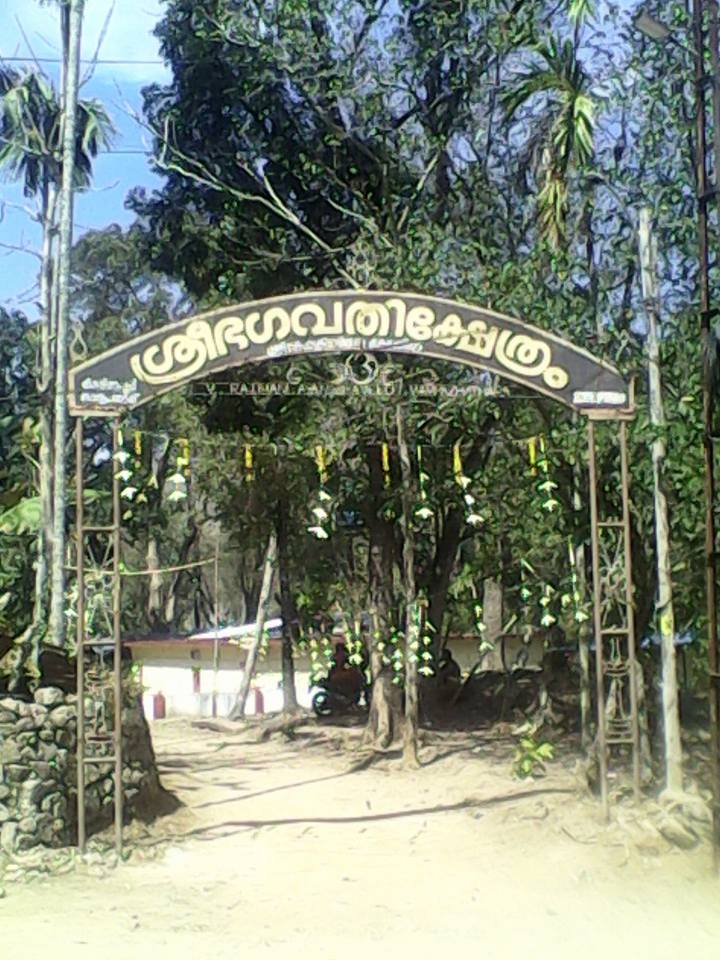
{"x":323,"y":322}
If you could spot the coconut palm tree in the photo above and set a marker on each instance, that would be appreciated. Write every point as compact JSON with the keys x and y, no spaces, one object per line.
{"x":565,"y":132}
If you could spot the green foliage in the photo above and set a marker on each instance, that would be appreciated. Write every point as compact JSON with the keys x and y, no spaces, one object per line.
{"x":30,"y":145}
{"x":531,"y":756}
{"x":24,"y":517}
{"x":463,"y":149}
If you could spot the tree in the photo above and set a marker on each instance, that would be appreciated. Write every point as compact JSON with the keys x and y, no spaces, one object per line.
{"x":30,"y":150}
{"x":56,"y":624}
{"x":564,"y":139}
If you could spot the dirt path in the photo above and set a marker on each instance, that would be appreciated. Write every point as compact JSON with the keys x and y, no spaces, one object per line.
{"x":279,"y":852}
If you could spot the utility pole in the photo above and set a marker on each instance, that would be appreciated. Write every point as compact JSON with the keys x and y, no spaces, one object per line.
{"x":69,"y":124}
{"x":664,"y":606}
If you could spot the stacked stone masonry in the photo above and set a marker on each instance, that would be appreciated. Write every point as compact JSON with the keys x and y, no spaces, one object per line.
{"x":38,"y":772}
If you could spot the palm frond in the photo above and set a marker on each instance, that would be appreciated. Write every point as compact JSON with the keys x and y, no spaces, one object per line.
{"x":561,"y":77}
{"x":30,"y":122}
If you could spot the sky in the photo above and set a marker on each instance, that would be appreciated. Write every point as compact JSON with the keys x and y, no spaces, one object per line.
{"x":27,"y":28}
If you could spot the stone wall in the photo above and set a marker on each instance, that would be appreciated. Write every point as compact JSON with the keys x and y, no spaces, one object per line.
{"x":38,"y":774}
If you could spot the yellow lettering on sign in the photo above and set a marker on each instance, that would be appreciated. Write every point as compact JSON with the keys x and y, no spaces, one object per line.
{"x":367,"y":319}
{"x":314,"y":309}
{"x":181,"y":356}
{"x":419,"y":323}
{"x":230,"y":331}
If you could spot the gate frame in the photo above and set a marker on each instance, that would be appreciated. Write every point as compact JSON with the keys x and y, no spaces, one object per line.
{"x":621,"y":669}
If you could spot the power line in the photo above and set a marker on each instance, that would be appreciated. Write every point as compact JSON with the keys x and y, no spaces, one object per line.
{"x":121,"y":63}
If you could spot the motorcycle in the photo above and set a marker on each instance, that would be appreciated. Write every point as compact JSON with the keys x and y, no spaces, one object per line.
{"x":327,"y":700}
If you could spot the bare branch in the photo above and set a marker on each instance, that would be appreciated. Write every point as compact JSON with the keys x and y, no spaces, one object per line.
{"x":19,"y":248}
{"x":29,"y":46}
{"x":101,"y":39}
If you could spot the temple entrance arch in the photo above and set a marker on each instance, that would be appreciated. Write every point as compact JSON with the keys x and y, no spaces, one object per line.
{"x":304,"y":324}
{"x":334,"y":322}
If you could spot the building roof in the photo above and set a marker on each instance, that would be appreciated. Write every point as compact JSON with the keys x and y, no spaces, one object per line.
{"x":240,"y":635}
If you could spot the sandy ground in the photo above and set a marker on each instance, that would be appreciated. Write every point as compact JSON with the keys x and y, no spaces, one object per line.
{"x":280,"y":851}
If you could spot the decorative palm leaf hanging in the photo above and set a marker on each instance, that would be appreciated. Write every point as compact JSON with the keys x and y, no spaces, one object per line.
{"x":472,"y":515}
{"x":422,"y":510}
{"x":321,"y":526}
{"x":179,"y":479}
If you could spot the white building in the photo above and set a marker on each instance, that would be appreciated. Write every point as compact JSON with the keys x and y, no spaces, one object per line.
{"x":182,"y":670}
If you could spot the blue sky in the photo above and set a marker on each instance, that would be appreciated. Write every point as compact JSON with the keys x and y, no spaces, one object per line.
{"x":128,"y":37}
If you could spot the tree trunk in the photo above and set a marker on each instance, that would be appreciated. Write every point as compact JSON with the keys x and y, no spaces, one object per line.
{"x":437,"y":582}
{"x":27,"y":660}
{"x":665,"y":611}
{"x":584,"y":631}
{"x":645,"y":748}
{"x":385,"y":699}
{"x":44,"y":386}
{"x":492,"y":609}
{"x":412,"y":630}
{"x":57,"y":599}
{"x":154,"y":607}
{"x":441,"y":574}
{"x":238,"y":709}
{"x":287,"y":608}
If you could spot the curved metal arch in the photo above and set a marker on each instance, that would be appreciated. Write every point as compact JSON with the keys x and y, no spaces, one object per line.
{"x":327,"y":321}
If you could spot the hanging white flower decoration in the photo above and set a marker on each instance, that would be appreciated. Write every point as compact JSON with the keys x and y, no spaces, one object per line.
{"x":320,"y":532}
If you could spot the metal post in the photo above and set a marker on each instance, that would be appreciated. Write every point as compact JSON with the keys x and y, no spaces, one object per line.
{"x":706,"y":313}
{"x":117,"y":640}
{"x":80,"y":630}
{"x":216,"y":618}
{"x":630,"y":608}
{"x":597,"y":620}
{"x":713,"y":37}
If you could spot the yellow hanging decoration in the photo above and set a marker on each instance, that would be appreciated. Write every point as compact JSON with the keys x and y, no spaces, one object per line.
{"x":185,"y":447}
{"x":457,"y":463}
{"x":137,"y":446}
{"x":321,"y":464}
{"x":385,"y":453}
{"x":532,"y":456}
{"x":249,"y":464}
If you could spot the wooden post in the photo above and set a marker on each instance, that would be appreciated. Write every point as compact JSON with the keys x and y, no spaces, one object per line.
{"x":238,"y":709}
{"x":216,"y":618}
{"x":664,"y":603}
